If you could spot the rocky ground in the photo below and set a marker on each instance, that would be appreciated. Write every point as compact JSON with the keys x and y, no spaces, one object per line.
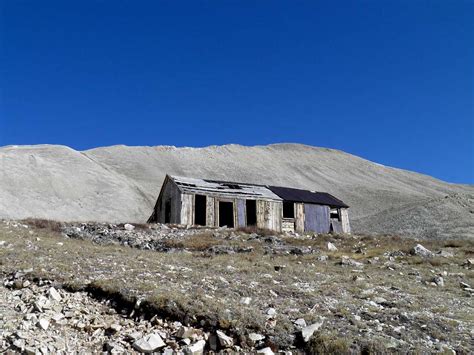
{"x":91,"y":287}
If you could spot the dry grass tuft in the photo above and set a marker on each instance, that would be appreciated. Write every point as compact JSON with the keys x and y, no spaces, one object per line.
{"x":53,"y":226}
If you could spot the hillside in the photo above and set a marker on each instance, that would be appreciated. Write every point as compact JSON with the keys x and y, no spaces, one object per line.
{"x":120,"y":184}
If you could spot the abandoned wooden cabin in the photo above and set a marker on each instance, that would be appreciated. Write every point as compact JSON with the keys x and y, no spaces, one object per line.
{"x":190,"y":201}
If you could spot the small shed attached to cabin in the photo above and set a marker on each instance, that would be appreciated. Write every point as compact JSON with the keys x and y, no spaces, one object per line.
{"x":190,"y":201}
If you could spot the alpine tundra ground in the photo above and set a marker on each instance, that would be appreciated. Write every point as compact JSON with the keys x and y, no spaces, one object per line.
{"x":163,"y":288}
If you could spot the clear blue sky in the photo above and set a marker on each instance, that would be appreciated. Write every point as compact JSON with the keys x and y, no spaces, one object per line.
{"x":391,"y":81}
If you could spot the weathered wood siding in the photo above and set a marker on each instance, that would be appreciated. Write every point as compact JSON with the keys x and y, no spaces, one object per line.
{"x":336,"y":226}
{"x":269,"y":215}
{"x":241,"y":220}
{"x":346,"y":227}
{"x":299,"y":217}
{"x":169,"y":192}
{"x":316,"y":218}
{"x":210,"y":211}
{"x":187,"y":209}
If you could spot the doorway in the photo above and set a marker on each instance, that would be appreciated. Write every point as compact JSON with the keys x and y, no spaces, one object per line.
{"x":200,"y":210}
{"x":168,"y":211}
{"x":251,"y":207}
{"x":226,"y":214}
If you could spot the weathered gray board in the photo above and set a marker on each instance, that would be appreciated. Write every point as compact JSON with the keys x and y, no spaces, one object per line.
{"x":316,"y":218}
{"x":269,"y":215}
{"x":336,"y":226}
{"x":299,"y":217}
{"x":346,"y":227}
{"x":187,"y":209}
{"x":241,"y":222}
{"x":210,"y":211}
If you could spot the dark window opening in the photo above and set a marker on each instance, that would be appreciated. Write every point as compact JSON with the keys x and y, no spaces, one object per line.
{"x":226,"y":214}
{"x":168,"y":211}
{"x":233,"y":186}
{"x":200,"y":210}
{"x":288,"y":210}
{"x":251,"y":206}
{"x":335,"y":215}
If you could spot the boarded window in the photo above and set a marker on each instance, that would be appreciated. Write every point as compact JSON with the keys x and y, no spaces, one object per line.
{"x":226,"y":214}
{"x":288,"y":210}
{"x":200,"y":210}
{"x":335,"y":214}
{"x":168,"y":211}
{"x":251,"y":206}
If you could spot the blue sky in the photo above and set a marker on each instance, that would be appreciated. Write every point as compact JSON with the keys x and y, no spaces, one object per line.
{"x":391,"y":81}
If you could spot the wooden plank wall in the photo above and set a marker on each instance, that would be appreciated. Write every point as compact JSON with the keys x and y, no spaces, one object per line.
{"x":210,"y":211}
{"x":172,"y":193}
{"x":316,"y":218}
{"x":346,"y":227}
{"x":269,"y":215}
{"x":299,"y":217}
{"x":187,"y":209}
{"x":241,"y":213}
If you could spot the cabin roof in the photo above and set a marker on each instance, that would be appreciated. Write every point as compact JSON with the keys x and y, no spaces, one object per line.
{"x":305,"y":196}
{"x":224,"y":188}
{"x":246,"y":190}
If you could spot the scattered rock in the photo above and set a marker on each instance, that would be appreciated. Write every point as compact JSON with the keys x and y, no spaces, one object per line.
{"x":346,"y":261}
{"x":266,"y":351}
{"x":445,"y":254}
{"x":308,"y":331}
{"x":255,"y":337}
{"x":43,"y":323}
{"x":129,"y":227}
{"x":438,"y":280}
{"x":54,"y":294}
{"x":420,"y":250}
{"x":322,"y":258}
{"x":224,"y":340}
{"x":300,"y":323}
{"x":331,"y":247}
{"x":149,"y":343}
{"x":245,"y":300}
{"x":271,"y":312}
{"x":195,"y":349}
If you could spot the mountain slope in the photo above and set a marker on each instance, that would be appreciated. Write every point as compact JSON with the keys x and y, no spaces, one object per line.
{"x":121,"y":183}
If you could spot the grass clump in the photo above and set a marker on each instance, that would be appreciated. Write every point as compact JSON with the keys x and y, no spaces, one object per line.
{"x":48,"y":224}
{"x":327,"y":343}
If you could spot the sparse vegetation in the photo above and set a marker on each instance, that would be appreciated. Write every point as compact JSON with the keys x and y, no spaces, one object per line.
{"x":392,"y":289}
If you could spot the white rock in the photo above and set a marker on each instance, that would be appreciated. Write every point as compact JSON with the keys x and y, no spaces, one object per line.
{"x":345,"y":260}
{"x":255,"y":337}
{"x":266,"y":351}
{"x":195,"y":349}
{"x":149,"y":343}
{"x":245,"y":300}
{"x":271,"y":312}
{"x":420,"y":250}
{"x":439,"y":281}
{"x":308,"y":331}
{"x":331,"y":247}
{"x":300,"y":323}
{"x":185,"y":332}
{"x":129,"y":227}
{"x":224,"y":340}
{"x":57,"y":317}
{"x":54,"y":294}
{"x":43,"y":323}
